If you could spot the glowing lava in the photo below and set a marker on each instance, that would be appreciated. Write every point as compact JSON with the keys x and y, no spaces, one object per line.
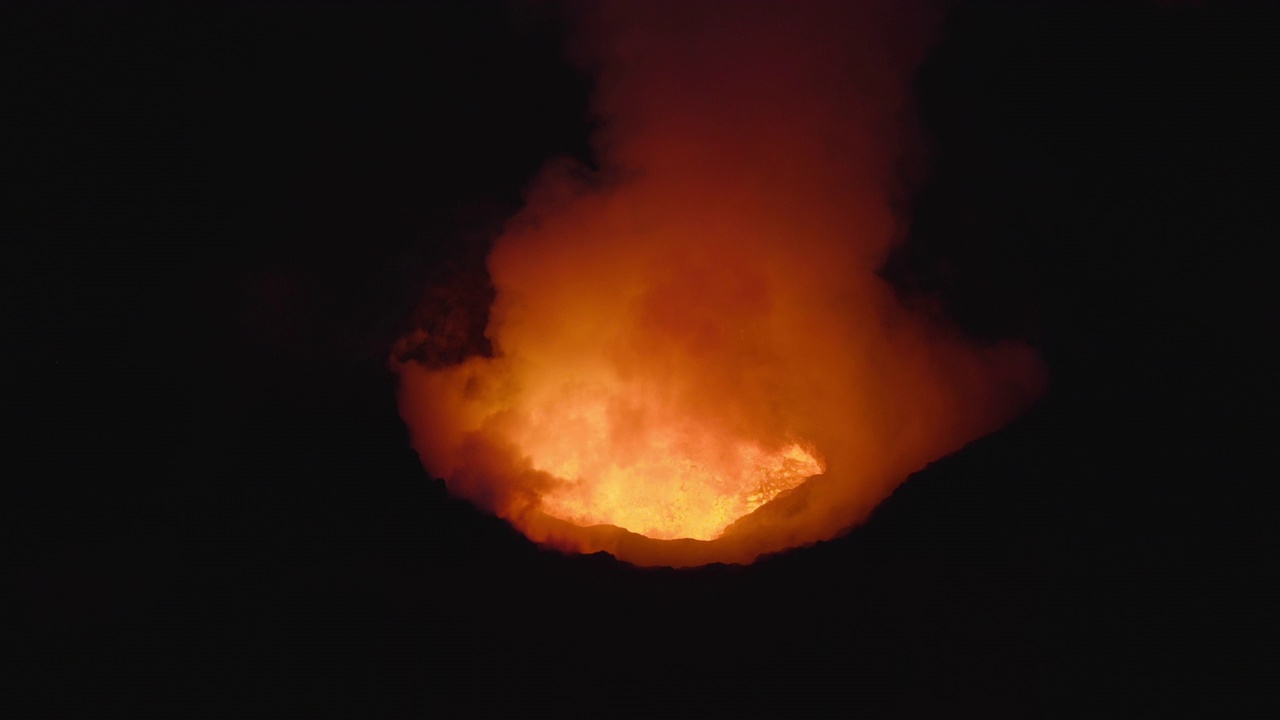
{"x":693,"y":356}
{"x":659,"y":476}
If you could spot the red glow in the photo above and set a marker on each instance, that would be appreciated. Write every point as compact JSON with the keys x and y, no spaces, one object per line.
{"x":694,"y":358}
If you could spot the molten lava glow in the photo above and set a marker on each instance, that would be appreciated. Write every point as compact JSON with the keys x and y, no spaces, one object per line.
{"x":694,"y":358}
{"x":665,"y":479}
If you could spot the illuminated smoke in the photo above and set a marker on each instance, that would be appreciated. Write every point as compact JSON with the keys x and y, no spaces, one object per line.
{"x":692,"y":356}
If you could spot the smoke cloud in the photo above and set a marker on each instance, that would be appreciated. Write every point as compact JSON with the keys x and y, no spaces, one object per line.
{"x":691,"y":356}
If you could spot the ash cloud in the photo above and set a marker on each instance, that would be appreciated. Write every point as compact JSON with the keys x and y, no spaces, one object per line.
{"x":719,"y":274}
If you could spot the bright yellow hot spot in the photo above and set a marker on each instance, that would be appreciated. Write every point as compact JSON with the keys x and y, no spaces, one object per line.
{"x":661,"y":477}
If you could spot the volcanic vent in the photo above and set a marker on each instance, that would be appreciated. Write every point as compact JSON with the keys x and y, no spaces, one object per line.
{"x":691,"y":355}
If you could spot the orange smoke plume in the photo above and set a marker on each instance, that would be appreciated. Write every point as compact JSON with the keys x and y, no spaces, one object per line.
{"x":692,"y":357}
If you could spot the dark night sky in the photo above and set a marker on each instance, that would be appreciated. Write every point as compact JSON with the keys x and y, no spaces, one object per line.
{"x":216,"y":218}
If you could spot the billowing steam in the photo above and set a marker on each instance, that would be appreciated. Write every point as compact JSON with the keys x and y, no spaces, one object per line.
{"x":692,"y":357}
